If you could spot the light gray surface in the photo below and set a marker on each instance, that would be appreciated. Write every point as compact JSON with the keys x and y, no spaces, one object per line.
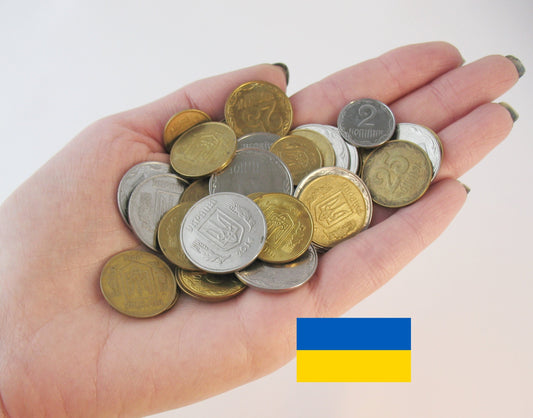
{"x":261,"y":140}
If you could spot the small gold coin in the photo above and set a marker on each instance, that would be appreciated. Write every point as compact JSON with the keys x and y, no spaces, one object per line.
{"x":289,"y":227}
{"x":168,"y":236}
{"x":258,"y":106}
{"x":138,"y":284}
{"x":300,"y":155}
{"x":195,"y":191}
{"x":207,"y":286}
{"x":255,"y":195}
{"x":180,"y":122}
{"x":324,"y":146}
{"x":397,"y":173}
{"x":203,"y":150}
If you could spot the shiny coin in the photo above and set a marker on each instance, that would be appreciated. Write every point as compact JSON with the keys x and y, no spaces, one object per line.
{"x":397,"y":173}
{"x":366,"y":123}
{"x":149,"y":202}
{"x":196,"y":190}
{"x":289,"y":227}
{"x":354,"y":158}
{"x":253,"y":170}
{"x":203,"y":150}
{"x":223,"y":232}
{"x":339,"y":202}
{"x":322,"y":143}
{"x":180,"y":122}
{"x":258,"y":106}
{"x":342,"y":158}
{"x":261,"y":140}
{"x":280,"y":277}
{"x":207,"y":286}
{"x":138,"y":284}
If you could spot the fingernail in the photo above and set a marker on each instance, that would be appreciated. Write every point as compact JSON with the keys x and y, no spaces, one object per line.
{"x":285,"y":70}
{"x":466,"y":187}
{"x":514,"y":113}
{"x":518,"y":64}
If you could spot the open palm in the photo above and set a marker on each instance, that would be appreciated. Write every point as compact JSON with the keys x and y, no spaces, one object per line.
{"x":65,"y":351}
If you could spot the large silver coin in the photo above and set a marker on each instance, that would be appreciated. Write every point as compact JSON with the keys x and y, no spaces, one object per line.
{"x":280,"y":277}
{"x":133,"y":177}
{"x":366,"y":123}
{"x":253,"y":170}
{"x":261,"y":140}
{"x":342,"y":157}
{"x":425,"y":138}
{"x":149,"y":201}
{"x":354,"y":158}
{"x":223,"y":232}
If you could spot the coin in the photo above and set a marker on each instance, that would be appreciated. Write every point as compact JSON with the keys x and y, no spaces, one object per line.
{"x":148,"y":203}
{"x":300,"y":155}
{"x":366,"y":123}
{"x":397,"y":173}
{"x":258,"y":106}
{"x":203,"y":150}
{"x":354,"y":158}
{"x":339,"y":202}
{"x":261,"y":140}
{"x":195,"y":191}
{"x":289,"y":227}
{"x":138,"y":283}
{"x":342,"y":158}
{"x":253,"y":170}
{"x":180,"y":122}
{"x":207,"y":286}
{"x":223,"y":232}
{"x":322,"y":143}
{"x":280,"y":277}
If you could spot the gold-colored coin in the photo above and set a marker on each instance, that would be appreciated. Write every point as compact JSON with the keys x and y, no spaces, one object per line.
{"x":180,"y":122}
{"x":300,"y":155}
{"x":324,"y":146}
{"x":203,"y":150}
{"x":207,"y":286}
{"x":258,"y":106}
{"x":195,"y":191}
{"x":255,"y":195}
{"x":397,"y":174}
{"x":168,"y":236}
{"x":339,"y":202}
{"x":289,"y":227}
{"x":138,"y":284}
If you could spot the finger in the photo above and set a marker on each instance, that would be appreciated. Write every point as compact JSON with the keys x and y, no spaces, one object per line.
{"x":385,"y":78}
{"x":456,"y":93}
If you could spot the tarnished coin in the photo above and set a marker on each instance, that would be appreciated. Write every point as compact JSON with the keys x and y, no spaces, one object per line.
{"x":366,"y":123}
{"x":196,"y":190}
{"x":322,"y":143}
{"x":149,"y":202}
{"x":280,"y":277}
{"x":223,"y":232}
{"x":425,"y":138}
{"x":397,"y":173}
{"x":339,"y":202}
{"x":300,"y":155}
{"x":289,"y":227}
{"x":342,"y":158}
{"x":207,"y":286}
{"x":258,"y":106}
{"x":138,"y":283}
{"x":261,"y":140}
{"x":203,"y":150}
{"x":180,"y":122}
{"x":253,"y":170}
{"x":168,"y":236}
{"x":133,"y":177}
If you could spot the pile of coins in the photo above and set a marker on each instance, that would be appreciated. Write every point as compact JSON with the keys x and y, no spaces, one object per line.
{"x":248,"y":202}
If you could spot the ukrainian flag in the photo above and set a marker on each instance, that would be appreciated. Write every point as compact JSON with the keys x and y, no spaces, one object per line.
{"x":353,"y":349}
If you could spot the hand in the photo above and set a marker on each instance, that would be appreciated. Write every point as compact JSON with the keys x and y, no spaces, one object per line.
{"x":65,"y":351}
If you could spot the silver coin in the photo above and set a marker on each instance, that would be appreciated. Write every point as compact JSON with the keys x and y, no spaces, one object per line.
{"x":366,"y":123}
{"x":354,"y":158}
{"x":425,"y":138}
{"x":149,"y":201}
{"x":223,"y":232}
{"x":261,"y":140}
{"x":280,"y":277}
{"x":133,"y":177}
{"x":253,"y":170}
{"x":342,"y":157}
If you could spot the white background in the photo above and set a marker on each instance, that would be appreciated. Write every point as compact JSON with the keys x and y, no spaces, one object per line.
{"x":65,"y":64}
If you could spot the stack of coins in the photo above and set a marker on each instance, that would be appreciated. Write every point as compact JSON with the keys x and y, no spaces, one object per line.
{"x":249,"y":202}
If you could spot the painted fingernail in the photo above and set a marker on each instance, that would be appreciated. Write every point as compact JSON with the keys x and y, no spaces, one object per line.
{"x":466,"y":187}
{"x":514,"y":113}
{"x":285,"y":70}
{"x":518,"y":64}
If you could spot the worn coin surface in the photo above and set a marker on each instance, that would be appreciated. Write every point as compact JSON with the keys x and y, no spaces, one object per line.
{"x":342,"y":158}
{"x":207,"y":286}
{"x":180,"y":122}
{"x":138,"y":283}
{"x":322,"y":143}
{"x":261,"y":140}
{"x":223,"y":232}
{"x":196,"y":190}
{"x":148,"y":203}
{"x":280,"y":277}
